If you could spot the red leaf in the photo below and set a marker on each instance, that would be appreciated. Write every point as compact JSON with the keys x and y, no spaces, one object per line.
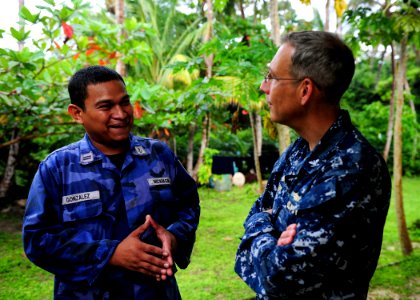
{"x":57,"y":45}
{"x":138,"y":110}
{"x":89,"y":51}
{"x":166,"y":131}
{"x":112,"y":55}
{"x":68,"y":30}
{"x":102,"y":62}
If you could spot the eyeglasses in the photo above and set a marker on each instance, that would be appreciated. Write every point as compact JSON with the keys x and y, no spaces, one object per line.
{"x":269,"y":77}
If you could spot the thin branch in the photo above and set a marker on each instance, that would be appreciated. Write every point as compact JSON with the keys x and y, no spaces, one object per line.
{"x":30,"y":137}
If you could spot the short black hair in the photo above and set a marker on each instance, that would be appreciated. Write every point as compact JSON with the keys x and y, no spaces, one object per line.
{"x":80,"y":80}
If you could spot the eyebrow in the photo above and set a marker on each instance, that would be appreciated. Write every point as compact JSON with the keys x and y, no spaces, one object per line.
{"x":102,"y":101}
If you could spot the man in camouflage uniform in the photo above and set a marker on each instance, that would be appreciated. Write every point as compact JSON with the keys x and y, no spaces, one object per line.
{"x":111,"y":214}
{"x":316,"y":231}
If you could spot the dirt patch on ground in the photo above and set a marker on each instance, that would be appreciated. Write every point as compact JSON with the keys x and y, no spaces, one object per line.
{"x":11,"y":219}
{"x":10,"y":226}
{"x":381,"y":294}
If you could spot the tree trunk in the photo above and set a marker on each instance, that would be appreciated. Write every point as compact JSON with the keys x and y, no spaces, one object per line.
{"x":119,"y":15}
{"x":259,"y":133}
{"x":21,"y":44}
{"x":413,"y":109}
{"x":204,"y":134}
{"x":208,"y":35}
{"x":190,"y":150}
{"x":241,"y":9}
{"x":284,"y":137}
{"x":256,"y":157}
{"x":406,"y":246}
{"x":274,"y":20}
{"x":327,"y":16}
{"x":389,"y":130}
{"x":283,"y":132}
{"x":9,"y":169}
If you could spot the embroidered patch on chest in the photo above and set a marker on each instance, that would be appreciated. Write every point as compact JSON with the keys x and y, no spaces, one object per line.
{"x":75,"y":198}
{"x":159,"y":181}
{"x":140,"y":150}
{"x":86,"y":157}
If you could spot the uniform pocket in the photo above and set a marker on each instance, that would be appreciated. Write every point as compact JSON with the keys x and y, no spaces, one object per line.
{"x":82,"y":210}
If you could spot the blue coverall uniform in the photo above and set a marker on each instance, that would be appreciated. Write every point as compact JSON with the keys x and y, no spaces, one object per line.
{"x":81,"y":206}
{"x":338,"y":195}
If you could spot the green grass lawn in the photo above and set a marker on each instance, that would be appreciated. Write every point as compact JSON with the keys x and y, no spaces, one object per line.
{"x":211,"y":275}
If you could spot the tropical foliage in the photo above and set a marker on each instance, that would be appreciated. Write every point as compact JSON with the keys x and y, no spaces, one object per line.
{"x":165,"y":47}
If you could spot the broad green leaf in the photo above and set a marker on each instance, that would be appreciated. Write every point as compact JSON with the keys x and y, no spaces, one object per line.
{"x":145,"y":94}
{"x":131,"y":24}
{"x":19,"y":35}
{"x":147,"y":108}
{"x":65,"y":13}
{"x":26,"y":14}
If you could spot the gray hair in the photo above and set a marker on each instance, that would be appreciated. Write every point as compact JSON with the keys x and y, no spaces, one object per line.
{"x":324,"y":58}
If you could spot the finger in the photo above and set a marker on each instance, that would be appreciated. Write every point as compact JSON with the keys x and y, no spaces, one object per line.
{"x":283,"y":241}
{"x":169,"y":272}
{"x":147,"y":271}
{"x":142,"y":228}
{"x":153,"y":223}
{"x":162,"y":234}
{"x":287,"y":236}
{"x":151,"y":267}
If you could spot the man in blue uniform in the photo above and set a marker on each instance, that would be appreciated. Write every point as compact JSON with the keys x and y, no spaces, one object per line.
{"x":316,"y":231}
{"x":111,"y":214}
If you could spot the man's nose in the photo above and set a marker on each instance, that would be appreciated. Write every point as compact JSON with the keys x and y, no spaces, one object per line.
{"x":118,"y":112}
{"x":265,"y":86}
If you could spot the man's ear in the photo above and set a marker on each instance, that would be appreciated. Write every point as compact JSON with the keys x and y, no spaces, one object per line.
{"x":306,"y":91}
{"x":75,"y":112}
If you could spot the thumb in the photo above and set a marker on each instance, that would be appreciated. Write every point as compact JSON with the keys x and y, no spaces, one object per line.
{"x":142,"y":228}
{"x":153,"y":223}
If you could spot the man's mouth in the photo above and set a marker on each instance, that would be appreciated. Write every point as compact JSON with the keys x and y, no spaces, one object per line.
{"x":120,"y":125}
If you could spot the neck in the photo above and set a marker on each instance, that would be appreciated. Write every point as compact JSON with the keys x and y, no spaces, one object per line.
{"x":316,"y":124}
{"x":112,"y":149}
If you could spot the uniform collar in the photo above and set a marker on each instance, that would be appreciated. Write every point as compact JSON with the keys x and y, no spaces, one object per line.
{"x":328,"y":142}
{"x":90,"y":154}
{"x":306,"y":161}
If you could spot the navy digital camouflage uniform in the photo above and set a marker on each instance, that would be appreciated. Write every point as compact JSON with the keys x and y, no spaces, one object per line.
{"x":80,"y":207}
{"x":338,"y":195}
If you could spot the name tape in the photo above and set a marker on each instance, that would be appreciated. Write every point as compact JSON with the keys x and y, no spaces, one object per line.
{"x":75,"y":198}
{"x":159,"y":181}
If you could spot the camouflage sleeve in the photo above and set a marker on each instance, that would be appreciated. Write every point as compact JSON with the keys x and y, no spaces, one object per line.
{"x":330,"y":217}
{"x":69,"y":253}
{"x":282,"y":270}
{"x":185,"y":227}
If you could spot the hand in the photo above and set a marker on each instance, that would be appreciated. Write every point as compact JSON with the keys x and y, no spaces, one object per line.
{"x":169,"y":245}
{"x":287,"y":236}
{"x":133,"y":254}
